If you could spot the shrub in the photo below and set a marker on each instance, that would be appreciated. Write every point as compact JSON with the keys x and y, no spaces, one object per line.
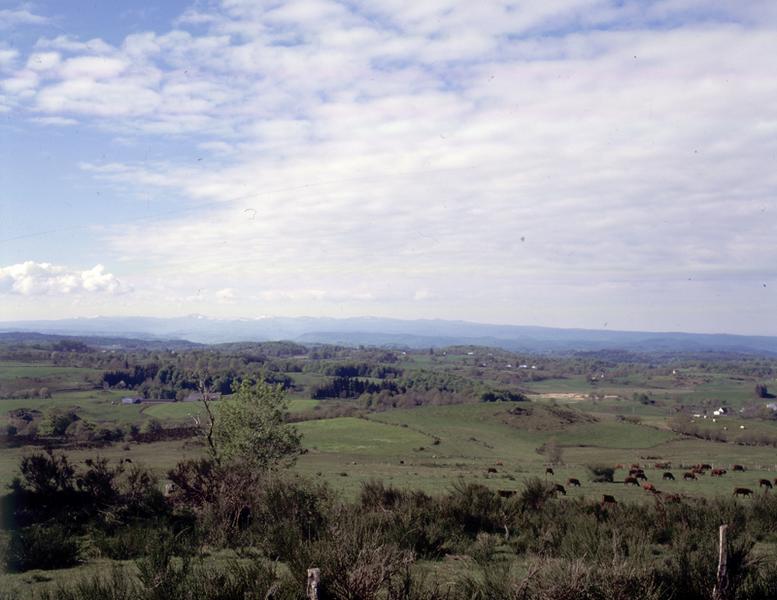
{"x":355,"y":562}
{"x":236,"y":581}
{"x":535,"y":494}
{"x":483,"y":549}
{"x":39,"y":547}
{"x":601,"y":473}
{"x":289,"y":512}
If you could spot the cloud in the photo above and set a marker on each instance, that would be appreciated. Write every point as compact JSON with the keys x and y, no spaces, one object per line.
{"x":10,"y":18}
{"x":58,"y":121}
{"x":226,"y":296}
{"x":38,"y":279}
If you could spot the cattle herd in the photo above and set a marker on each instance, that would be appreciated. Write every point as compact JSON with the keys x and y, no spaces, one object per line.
{"x":636,"y":476}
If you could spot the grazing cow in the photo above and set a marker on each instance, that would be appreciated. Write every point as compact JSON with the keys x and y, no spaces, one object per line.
{"x":649,"y":487}
{"x":549,"y":471}
{"x":506,"y":493}
{"x":765,"y":483}
{"x":742,"y":491}
{"x":689,"y":475}
{"x":633,"y":471}
{"x":560,"y":489}
{"x":740,"y":468}
{"x":491,"y":470}
{"x":663,"y":465}
{"x":668,"y":476}
{"x":631,"y":480}
{"x":641,"y":475}
{"x":717,"y":472}
{"x":401,"y":462}
{"x":572,"y":481}
{"x":705,"y":466}
{"x":607,"y":499}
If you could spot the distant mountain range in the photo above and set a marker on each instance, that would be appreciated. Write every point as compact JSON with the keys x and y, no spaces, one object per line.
{"x":373,"y":331}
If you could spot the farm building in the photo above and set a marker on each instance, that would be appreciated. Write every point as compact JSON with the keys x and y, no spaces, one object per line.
{"x":130,"y":400}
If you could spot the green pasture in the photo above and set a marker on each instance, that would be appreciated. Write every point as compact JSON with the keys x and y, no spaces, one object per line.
{"x":16,"y":376}
{"x":613,"y":434}
{"x":351,"y":436}
{"x":712,"y":389}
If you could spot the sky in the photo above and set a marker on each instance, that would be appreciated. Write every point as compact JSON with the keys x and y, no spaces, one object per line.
{"x":572,"y":163}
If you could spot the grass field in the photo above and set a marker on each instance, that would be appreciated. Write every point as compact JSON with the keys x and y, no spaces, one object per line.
{"x":17,"y":376}
{"x":430,"y":447}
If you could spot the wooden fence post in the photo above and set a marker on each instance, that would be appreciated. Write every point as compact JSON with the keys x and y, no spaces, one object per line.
{"x":314,"y":579}
{"x":721,"y":591}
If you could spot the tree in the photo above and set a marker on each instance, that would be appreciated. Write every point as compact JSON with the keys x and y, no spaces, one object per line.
{"x":249,"y":427}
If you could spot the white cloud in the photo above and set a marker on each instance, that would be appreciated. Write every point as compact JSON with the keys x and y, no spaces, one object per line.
{"x":8,"y":57}
{"x":43,"y":61}
{"x":58,"y":121}
{"x":226,"y":296}
{"x":10,"y":18}
{"x":36,"y":279}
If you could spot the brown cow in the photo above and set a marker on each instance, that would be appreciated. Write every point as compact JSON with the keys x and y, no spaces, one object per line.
{"x":668,"y":476}
{"x":689,"y":475}
{"x":641,"y":475}
{"x":742,"y":491}
{"x":506,"y":493}
{"x":663,"y":465}
{"x":560,"y":489}
{"x":705,"y":466}
{"x":717,"y":472}
{"x":765,"y":483}
{"x":572,"y":481}
{"x":738,"y":468}
{"x":633,"y":471}
{"x":649,"y":487}
{"x":491,"y":470}
{"x":631,"y":480}
{"x":549,"y":471}
{"x":607,"y":499}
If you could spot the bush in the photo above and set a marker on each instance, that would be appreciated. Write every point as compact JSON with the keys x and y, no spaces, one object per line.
{"x":601,"y":473}
{"x":535,"y":494}
{"x":39,"y":547}
{"x":355,"y":563}
{"x":235,"y":581}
